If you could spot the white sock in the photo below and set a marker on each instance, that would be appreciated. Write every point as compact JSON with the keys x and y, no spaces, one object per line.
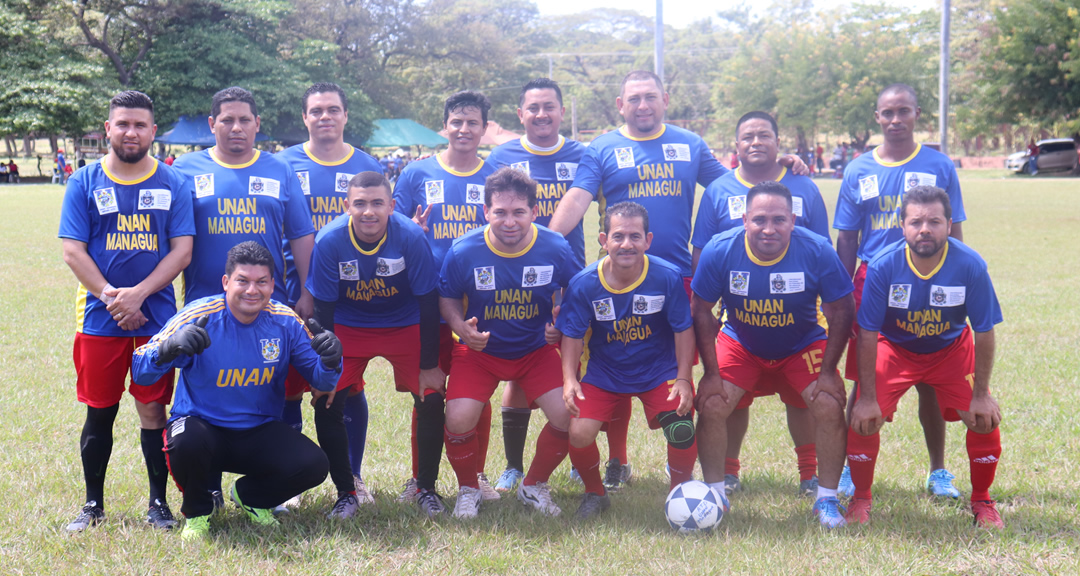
{"x":823,"y":492}
{"x":720,"y":487}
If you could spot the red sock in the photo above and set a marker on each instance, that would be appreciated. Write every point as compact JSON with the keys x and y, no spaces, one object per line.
{"x":807,"y":458}
{"x":551,"y":448}
{"x":732,"y":466}
{"x":681,"y":461}
{"x":862,"y":453}
{"x":587,"y":462}
{"x":483,"y":436}
{"x":415,"y":447}
{"x":618,"y":430}
{"x":984,"y":450}
{"x":461,"y":452}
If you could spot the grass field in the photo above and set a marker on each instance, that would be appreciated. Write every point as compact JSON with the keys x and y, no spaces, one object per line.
{"x":1028,"y":231}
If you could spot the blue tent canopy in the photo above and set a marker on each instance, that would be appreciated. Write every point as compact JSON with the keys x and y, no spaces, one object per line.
{"x":399,"y":132}
{"x":194,"y":131}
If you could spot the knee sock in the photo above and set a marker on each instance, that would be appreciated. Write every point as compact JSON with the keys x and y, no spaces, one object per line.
{"x":618,"y":429}
{"x":806,"y":456}
{"x":551,"y":448}
{"x":515,"y":425}
{"x":292,"y":416}
{"x":356,"y":425}
{"x":95,"y":448}
{"x":681,"y":461}
{"x":587,"y":462}
{"x":984,"y":450}
{"x":732,"y":467}
{"x":429,"y":419}
{"x":413,"y":442}
{"x":157,"y":471}
{"x":461,"y":452}
{"x":483,"y":437}
{"x":862,"y":453}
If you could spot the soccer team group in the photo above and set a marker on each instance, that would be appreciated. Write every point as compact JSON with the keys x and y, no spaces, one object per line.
{"x":300,"y":267}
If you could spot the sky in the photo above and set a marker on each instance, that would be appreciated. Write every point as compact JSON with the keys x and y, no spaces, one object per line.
{"x":679,"y":13}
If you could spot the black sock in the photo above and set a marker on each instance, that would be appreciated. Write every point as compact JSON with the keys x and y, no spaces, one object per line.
{"x":430,"y":421}
{"x":153,"y":444}
{"x":95,"y":447}
{"x":515,"y":425}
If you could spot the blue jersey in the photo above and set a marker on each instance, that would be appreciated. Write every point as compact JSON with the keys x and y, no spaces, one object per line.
{"x":325,"y":185}
{"x":661,"y":172}
{"x":510,"y":295}
{"x":126,"y":226}
{"x":239,"y":381}
{"x":870,"y":195}
{"x":771,"y":306}
{"x":632,"y":346}
{"x":924,"y":314}
{"x":374,"y":288}
{"x":724,"y":203}
{"x":458,"y":198}
{"x":259,"y":200}
{"x":553,"y":171}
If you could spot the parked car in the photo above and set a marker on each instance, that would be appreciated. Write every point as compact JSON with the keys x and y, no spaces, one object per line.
{"x":1054,"y":155}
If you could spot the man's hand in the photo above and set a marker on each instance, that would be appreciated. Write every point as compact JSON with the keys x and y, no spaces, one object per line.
{"x":983,"y":414}
{"x":472,"y":338}
{"x":317,"y":394}
{"x":325,"y":344}
{"x":189,"y":340}
{"x":552,"y":335}
{"x":125,"y":306}
{"x":432,"y":379}
{"x":682,"y":390}
{"x":571,"y":390}
{"x":421,"y":217}
{"x":710,"y":384}
{"x":796,"y":164}
{"x":866,"y":417}
{"x":832,"y":384}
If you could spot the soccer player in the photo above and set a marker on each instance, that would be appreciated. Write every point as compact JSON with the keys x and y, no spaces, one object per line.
{"x":507,"y":274}
{"x":770,"y":275}
{"x":373,"y":278}
{"x":551,"y":160}
{"x":324,"y":166}
{"x":227,"y":414}
{"x":919,"y":294}
{"x":723,"y":205}
{"x":867,"y":219}
{"x":445,"y":195}
{"x":641,"y":345}
{"x":126,"y":228}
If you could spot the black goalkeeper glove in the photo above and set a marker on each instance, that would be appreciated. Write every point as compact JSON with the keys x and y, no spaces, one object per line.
{"x":189,"y":340}
{"x":325,"y":344}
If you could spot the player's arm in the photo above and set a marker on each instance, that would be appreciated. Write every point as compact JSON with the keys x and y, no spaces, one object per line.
{"x":706,"y":327}
{"x":571,"y":210}
{"x":127,"y":302}
{"x":301,"y":250}
{"x":83,"y":266}
{"x":453,"y":311}
{"x":983,"y":414}
{"x":866,"y":413}
{"x":431,"y":376}
{"x":684,"y":358}
{"x":839,"y":314}
{"x":795,"y":163}
{"x":571,"y":349}
{"x":695,"y":256}
{"x":847,"y":248}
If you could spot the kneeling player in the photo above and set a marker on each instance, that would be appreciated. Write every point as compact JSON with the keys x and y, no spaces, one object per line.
{"x":641,"y":345}
{"x":769,"y":275}
{"x":920,"y":292}
{"x":508,"y":271}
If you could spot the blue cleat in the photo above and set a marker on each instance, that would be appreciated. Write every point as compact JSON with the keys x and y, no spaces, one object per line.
{"x":829,"y":512}
{"x":509,"y":480}
{"x":846,"y":488}
{"x":939,"y":484}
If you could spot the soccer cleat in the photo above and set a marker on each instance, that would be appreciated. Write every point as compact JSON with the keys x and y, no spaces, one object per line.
{"x":939,"y":484}
{"x":409,"y":492}
{"x":538,"y":496}
{"x":196,"y":528}
{"x":986,"y":514}
{"x":808,"y":488}
{"x":345,"y":507}
{"x":159,"y":515}
{"x":509,"y":480}
{"x":592,"y":504}
{"x":486,"y":490}
{"x":858,"y":511}
{"x":430,"y":502}
{"x":846,"y":488}
{"x":617,"y":474}
{"x":219,"y":500}
{"x":829,"y":512}
{"x":90,"y":515}
{"x":287,"y":507}
{"x":468,"y":502}
{"x":731,"y":484}
{"x":260,"y":516}
{"x":363,"y":496}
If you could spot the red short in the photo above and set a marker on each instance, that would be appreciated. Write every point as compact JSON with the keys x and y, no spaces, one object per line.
{"x":851,"y":364}
{"x":102,"y":365}
{"x":600,"y":404}
{"x":951,"y":371}
{"x":787,"y":377}
{"x":476,"y":375}
{"x":400,"y":346}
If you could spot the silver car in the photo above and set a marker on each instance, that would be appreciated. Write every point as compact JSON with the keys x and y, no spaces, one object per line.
{"x":1054,"y":155}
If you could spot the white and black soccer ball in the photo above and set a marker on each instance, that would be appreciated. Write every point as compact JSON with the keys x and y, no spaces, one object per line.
{"x":693,"y":506}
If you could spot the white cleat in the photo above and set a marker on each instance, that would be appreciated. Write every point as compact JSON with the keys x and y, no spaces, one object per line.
{"x":538,"y":496}
{"x":468,"y":502}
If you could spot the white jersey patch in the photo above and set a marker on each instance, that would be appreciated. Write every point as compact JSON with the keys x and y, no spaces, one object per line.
{"x":899,"y":296}
{"x":389,"y":266}
{"x":536,"y":276}
{"x":155,"y":199}
{"x":565,"y":170}
{"x":474,"y":193}
{"x":736,"y":206}
{"x":348,"y":270}
{"x":913,"y":179}
{"x":796,"y":206}
{"x":341,"y":182}
{"x":644,"y":305}
{"x":786,"y":283}
{"x":624,"y":157}
{"x":484,"y":277}
{"x":433,"y":192}
{"x":677,"y":152}
{"x":305,"y":182}
{"x":739,"y":283}
{"x":264,"y":187}
{"x":204,"y":185}
{"x":947,"y":296}
{"x":604,"y":310}
{"x":105,"y":198}
{"x":523,"y":166}
{"x":868,"y":187}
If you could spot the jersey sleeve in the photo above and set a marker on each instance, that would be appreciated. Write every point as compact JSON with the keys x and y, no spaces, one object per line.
{"x":181,"y":212}
{"x":323,"y":275}
{"x":451,"y":283}
{"x":567,"y":267}
{"x":144,"y":368}
{"x":423,"y":277}
{"x":306,"y":361}
{"x":818,"y":222}
{"x":590,"y":172}
{"x":75,"y":212}
{"x":708,"y":282}
{"x":848,"y":216}
{"x":574,"y":316}
{"x":297,"y":218}
{"x":956,"y":199}
{"x":874,"y":298}
{"x":678,"y":309}
{"x":707,"y":224}
{"x":834,"y":281}
{"x":981,"y":301}
{"x":710,"y":168}
{"x":404,"y":194}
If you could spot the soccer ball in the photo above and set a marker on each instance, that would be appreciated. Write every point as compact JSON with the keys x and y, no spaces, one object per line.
{"x":693,"y":506}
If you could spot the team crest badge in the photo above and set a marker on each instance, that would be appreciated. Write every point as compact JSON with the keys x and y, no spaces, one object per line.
{"x":305,"y":182}
{"x":937,"y":297}
{"x":263,"y":187}
{"x":204,"y":185}
{"x":341,"y":182}
{"x":484,"y":277}
{"x":257,"y":185}
{"x":146,"y":199}
{"x":677,"y":152}
{"x":604,"y":309}
{"x":739,"y":283}
{"x":778,"y":284}
{"x":899,"y":295}
{"x":942,"y":296}
{"x":389,"y":266}
{"x":474,"y":194}
{"x":787,"y":283}
{"x":913,"y":179}
{"x":736,"y":206}
{"x":645,"y":304}
{"x":530,"y":277}
{"x":565,"y":170}
{"x":154,"y":199}
{"x":271,"y":349}
{"x":640,"y":304}
{"x":381,"y":267}
{"x":105,"y":198}
{"x":624,"y":157}
{"x":522,"y":166}
{"x":868,"y":187}
{"x":433,"y":191}
{"x":348,"y":270}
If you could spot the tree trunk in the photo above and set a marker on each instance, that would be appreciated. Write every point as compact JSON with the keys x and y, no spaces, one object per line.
{"x":9,"y":141}
{"x":28,"y":146}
